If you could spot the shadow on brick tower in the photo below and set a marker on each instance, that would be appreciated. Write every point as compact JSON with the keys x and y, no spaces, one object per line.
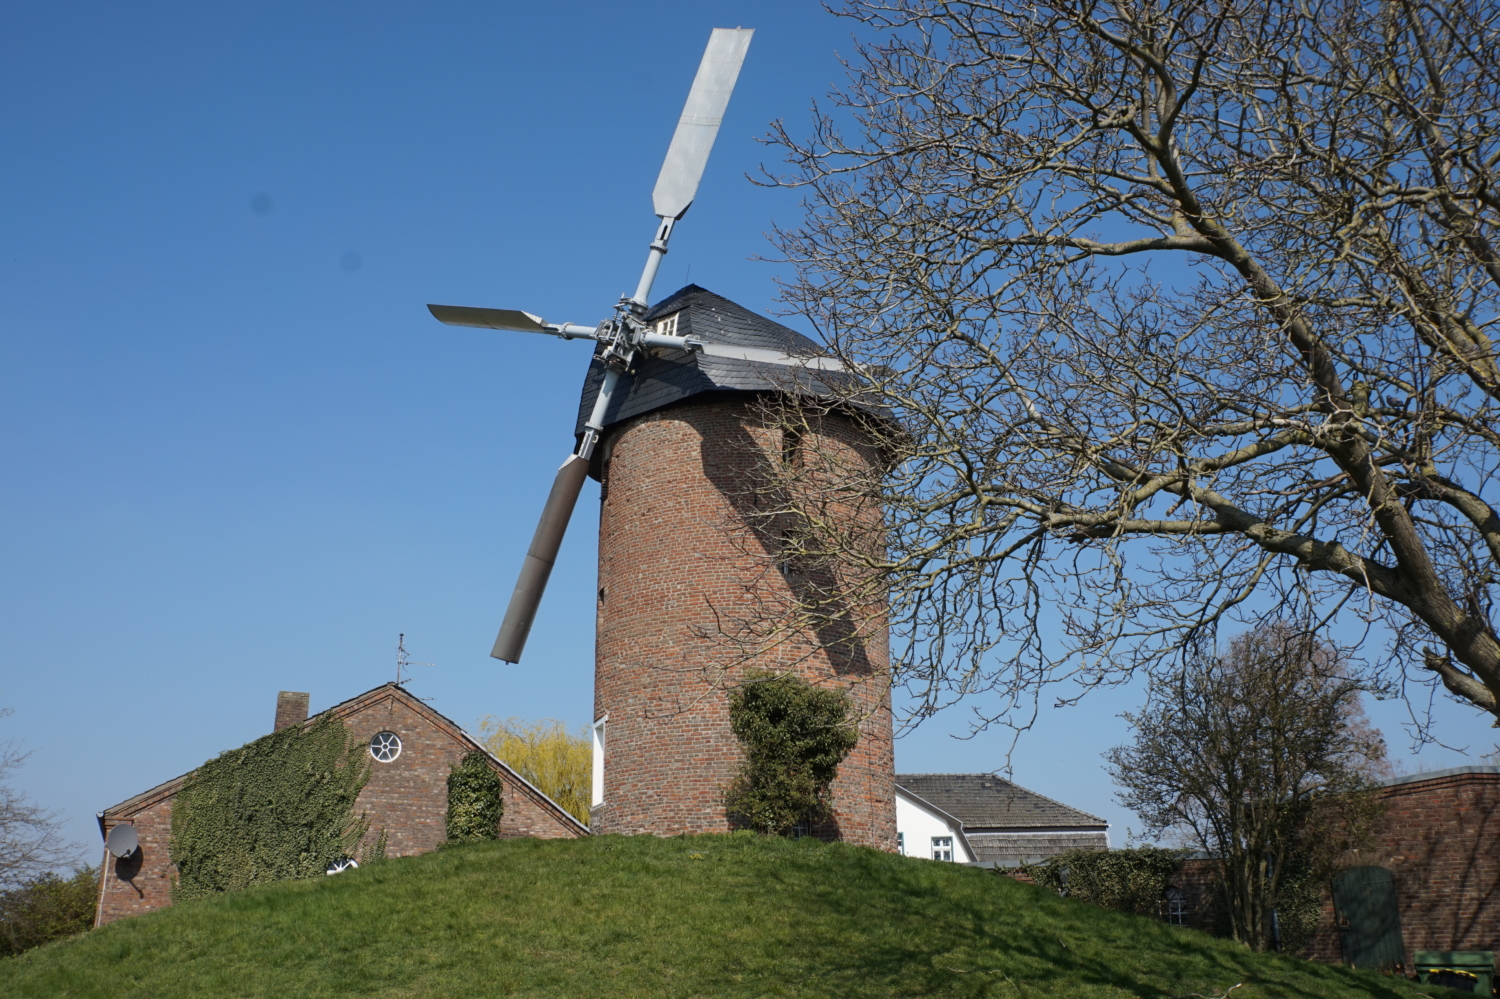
{"x":683,"y":558}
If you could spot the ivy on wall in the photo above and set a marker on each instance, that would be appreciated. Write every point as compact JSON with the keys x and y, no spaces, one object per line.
{"x":795,"y":735}
{"x":279,"y":808}
{"x":474,"y":802}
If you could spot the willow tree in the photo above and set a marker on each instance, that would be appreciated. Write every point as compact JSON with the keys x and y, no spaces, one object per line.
{"x":1183,"y":312}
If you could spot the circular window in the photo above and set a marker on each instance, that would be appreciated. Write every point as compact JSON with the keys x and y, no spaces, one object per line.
{"x":385,"y":746}
{"x":341,"y":865}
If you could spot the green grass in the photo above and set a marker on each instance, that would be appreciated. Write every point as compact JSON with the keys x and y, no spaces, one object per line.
{"x":612,"y":917}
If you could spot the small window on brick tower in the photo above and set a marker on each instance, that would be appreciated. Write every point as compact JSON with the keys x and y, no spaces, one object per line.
{"x":942,"y":848}
{"x":385,"y":746}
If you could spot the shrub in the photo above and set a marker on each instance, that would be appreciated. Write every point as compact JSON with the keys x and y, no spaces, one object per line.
{"x":47,"y":908}
{"x":1126,"y":880}
{"x":474,"y":801}
{"x":279,"y":808}
{"x":794,"y":735}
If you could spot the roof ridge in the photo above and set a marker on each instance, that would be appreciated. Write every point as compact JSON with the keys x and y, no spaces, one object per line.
{"x":1007,"y":780}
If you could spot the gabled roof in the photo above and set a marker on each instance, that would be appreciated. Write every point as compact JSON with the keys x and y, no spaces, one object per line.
{"x":987,"y":802}
{"x":953,"y":821}
{"x":369,"y":698}
{"x":661,"y":381}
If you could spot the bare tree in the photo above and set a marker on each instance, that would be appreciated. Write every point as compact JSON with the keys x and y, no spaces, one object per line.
{"x":1183,"y":312}
{"x":31,"y":840}
{"x":1260,"y":756}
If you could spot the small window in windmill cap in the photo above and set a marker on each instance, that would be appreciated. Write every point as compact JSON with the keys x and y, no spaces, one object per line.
{"x":122,"y":841}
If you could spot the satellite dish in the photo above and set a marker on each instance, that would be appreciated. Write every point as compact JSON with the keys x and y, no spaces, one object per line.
{"x":122,"y":841}
{"x":625,"y":336}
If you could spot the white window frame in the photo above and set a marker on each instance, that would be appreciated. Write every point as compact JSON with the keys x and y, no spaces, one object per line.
{"x":942,"y":848}
{"x":901,"y":843}
{"x":385,"y":747}
{"x":596,"y":797}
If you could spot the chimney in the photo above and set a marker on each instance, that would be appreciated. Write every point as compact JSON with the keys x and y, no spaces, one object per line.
{"x":291,"y":709}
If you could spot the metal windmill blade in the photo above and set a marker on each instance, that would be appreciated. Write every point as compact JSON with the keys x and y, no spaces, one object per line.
{"x":623,"y":336}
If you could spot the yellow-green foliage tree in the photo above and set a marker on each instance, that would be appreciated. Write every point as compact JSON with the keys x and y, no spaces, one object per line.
{"x":545,"y":753}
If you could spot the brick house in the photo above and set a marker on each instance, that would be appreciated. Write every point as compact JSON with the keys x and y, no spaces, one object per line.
{"x":412,"y":749}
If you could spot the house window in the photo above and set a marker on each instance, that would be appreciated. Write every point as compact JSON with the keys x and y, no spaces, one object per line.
{"x":942,"y":848}
{"x":901,"y":843}
{"x":668,"y":326}
{"x":385,"y":746}
{"x":597,"y":797}
{"x":1176,"y":907}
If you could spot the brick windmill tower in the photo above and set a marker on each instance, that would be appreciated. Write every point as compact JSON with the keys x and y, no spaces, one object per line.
{"x":676,"y":422}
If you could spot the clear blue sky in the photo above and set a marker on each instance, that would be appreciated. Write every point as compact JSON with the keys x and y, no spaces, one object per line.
{"x":238,"y":454}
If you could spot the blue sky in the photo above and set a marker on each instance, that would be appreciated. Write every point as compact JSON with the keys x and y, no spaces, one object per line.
{"x":239,"y":455}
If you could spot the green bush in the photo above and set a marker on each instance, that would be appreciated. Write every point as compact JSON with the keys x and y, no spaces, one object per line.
{"x":47,"y":908}
{"x":474,"y":802}
{"x":1299,"y":903}
{"x":794,"y":735}
{"x":1124,"y":880}
{"x":280,"y":808}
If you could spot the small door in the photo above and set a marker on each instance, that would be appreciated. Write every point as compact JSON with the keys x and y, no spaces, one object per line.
{"x":1364,"y":899}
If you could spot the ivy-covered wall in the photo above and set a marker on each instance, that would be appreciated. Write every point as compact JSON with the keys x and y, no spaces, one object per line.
{"x":474,"y":802}
{"x":281,"y":807}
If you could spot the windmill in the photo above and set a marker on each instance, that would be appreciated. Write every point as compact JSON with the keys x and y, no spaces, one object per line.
{"x":648,"y":359}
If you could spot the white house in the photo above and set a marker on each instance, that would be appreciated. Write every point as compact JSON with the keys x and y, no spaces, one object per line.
{"x":984,"y":820}
{"x":925,"y":830}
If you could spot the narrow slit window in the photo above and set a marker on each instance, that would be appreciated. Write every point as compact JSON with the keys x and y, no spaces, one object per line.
{"x":597,"y":794}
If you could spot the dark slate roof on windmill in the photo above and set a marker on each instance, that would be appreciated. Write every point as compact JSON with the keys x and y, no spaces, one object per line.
{"x":662,"y":380}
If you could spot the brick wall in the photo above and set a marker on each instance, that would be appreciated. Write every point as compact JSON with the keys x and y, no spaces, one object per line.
{"x":684,"y":577}
{"x":141,"y":882}
{"x":407,"y":798}
{"x":1440,"y":839}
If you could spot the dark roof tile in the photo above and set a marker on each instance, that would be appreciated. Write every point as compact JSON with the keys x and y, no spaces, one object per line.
{"x":663,"y":380}
{"x":984,"y":801}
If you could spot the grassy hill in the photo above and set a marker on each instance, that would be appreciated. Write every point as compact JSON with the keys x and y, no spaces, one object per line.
{"x":720,"y":916}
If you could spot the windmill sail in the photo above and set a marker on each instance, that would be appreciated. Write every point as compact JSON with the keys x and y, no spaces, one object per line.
{"x":540,"y":558}
{"x":677,"y":184}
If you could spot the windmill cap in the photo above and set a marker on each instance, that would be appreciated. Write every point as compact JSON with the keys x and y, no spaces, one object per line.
{"x":660,"y":382}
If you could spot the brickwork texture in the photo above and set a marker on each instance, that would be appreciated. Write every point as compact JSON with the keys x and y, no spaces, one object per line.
{"x":686,"y":571}
{"x":1440,"y":839}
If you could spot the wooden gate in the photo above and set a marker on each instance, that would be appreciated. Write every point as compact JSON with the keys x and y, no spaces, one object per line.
{"x":1369,"y":921}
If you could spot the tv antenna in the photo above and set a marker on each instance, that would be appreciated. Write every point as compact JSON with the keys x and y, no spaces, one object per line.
{"x":403,"y":661}
{"x":624,"y":339}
